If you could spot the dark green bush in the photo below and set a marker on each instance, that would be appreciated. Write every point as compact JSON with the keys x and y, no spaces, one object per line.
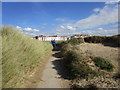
{"x":95,"y":39}
{"x":75,"y":66}
{"x":70,"y":57}
{"x":81,"y":70}
{"x":115,"y":40}
{"x":61,"y":45}
{"x":103,"y":63}
{"x":111,"y":40}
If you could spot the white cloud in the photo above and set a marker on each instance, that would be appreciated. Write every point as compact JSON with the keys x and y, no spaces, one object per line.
{"x":112,"y":2}
{"x":114,"y":26}
{"x":62,"y":27}
{"x":18,"y":27}
{"x":27,"y":29}
{"x":67,"y":28}
{"x":96,"y":9}
{"x":107,"y":15}
{"x":71,"y":28}
{"x":36,"y":30}
{"x":100,"y":29}
{"x":101,"y":32}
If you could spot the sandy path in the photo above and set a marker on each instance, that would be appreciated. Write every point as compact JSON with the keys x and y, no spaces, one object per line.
{"x":51,"y":77}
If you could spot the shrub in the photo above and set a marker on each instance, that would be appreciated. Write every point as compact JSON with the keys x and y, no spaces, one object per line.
{"x":95,"y":39}
{"x":76,"y":66}
{"x":114,"y":40}
{"x":65,"y":46}
{"x":81,"y":70}
{"x":74,"y":61}
{"x":75,"y":41}
{"x":103,"y":63}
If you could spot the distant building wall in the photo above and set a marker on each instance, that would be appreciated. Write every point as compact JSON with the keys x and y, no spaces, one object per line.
{"x":49,"y":38}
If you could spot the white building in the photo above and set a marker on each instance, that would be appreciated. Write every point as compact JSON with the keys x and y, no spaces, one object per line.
{"x":49,"y":38}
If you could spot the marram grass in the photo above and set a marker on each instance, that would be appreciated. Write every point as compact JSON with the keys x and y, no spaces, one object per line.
{"x":20,"y":55}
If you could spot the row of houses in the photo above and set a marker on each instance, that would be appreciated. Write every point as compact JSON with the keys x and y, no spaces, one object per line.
{"x":60,"y":38}
{"x":49,"y":38}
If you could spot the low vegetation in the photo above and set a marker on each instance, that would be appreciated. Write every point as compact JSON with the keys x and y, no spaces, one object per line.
{"x":103,"y":64}
{"x":84,"y":68}
{"x":75,"y":62}
{"x":75,"y":41}
{"x":21,"y":54}
{"x":112,"y":40}
{"x":69,"y":44}
{"x":77,"y":65}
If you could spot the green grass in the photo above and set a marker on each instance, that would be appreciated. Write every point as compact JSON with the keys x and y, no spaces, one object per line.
{"x":103,"y":64}
{"x":20,"y":55}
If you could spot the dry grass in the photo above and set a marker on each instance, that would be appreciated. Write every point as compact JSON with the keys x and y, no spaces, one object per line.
{"x":20,"y":55}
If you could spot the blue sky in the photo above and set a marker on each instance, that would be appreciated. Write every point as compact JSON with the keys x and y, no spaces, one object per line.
{"x":61,"y":18}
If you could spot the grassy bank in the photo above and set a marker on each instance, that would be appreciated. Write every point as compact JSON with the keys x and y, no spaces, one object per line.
{"x":84,"y":68}
{"x":76,"y":63}
{"x":20,"y":55}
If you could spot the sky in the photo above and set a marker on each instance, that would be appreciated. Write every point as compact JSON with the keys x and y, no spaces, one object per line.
{"x":62,"y":18}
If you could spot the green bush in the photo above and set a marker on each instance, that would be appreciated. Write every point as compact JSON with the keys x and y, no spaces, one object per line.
{"x":81,"y":70}
{"x":75,"y":41}
{"x":74,"y":61}
{"x":103,"y":63}
{"x":112,"y":40}
{"x":76,"y":66}
{"x":95,"y":39}
{"x":115,"y":40}
{"x":68,"y":45}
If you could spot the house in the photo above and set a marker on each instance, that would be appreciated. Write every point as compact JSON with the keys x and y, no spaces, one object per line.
{"x":80,"y":36}
{"x":49,"y":38}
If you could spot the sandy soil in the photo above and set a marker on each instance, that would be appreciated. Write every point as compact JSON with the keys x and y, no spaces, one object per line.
{"x":110,"y":53}
{"x":51,"y":76}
